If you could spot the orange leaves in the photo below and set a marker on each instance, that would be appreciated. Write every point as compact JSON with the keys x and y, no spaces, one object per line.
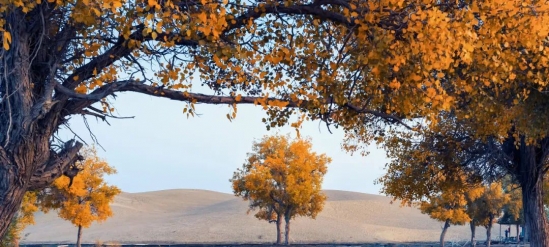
{"x":211,"y":21}
{"x":88,"y":198}
{"x":153,"y":4}
{"x":278,"y":103}
{"x":431,"y":93}
{"x":203,"y":17}
{"x":489,"y":203}
{"x":283,"y":175}
{"x":408,"y":59}
{"x":110,"y":4}
{"x":394,"y":84}
{"x":6,"y":39}
{"x":450,"y":205}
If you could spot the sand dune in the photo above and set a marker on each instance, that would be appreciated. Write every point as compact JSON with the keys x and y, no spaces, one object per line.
{"x":199,"y":216}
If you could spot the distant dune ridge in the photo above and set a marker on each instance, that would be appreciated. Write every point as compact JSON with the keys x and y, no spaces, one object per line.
{"x":200,"y":216}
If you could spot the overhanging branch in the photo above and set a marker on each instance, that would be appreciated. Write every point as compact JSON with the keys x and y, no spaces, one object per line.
{"x":201,"y":98}
{"x":96,"y":95}
{"x":314,"y":9}
{"x":84,"y":101}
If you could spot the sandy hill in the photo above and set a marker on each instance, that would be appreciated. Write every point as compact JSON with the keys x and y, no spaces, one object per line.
{"x":192,"y":216}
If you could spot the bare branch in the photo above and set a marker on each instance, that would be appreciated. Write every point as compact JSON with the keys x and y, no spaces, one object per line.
{"x":56,"y":165}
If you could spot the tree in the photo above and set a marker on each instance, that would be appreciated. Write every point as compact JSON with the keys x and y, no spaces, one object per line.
{"x":448,"y":165}
{"x":448,"y":207}
{"x":489,"y":206}
{"x":512,"y":210}
{"x":355,"y":64}
{"x":87,"y":198}
{"x":455,"y":140}
{"x":282,"y":178}
{"x":23,"y":218}
{"x":473,"y":210}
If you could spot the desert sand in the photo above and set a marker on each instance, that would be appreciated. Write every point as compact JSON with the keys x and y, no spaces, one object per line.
{"x":200,"y":216}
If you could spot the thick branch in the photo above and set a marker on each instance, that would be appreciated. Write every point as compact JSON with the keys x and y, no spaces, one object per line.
{"x":198,"y":97}
{"x":120,"y":49}
{"x":312,"y":9}
{"x":96,"y":95}
{"x":379,"y":114}
{"x":57,"y":164}
{"x":76,"y":106}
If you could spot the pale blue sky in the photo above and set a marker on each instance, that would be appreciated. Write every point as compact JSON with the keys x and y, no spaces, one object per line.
{"x":161,"y":149}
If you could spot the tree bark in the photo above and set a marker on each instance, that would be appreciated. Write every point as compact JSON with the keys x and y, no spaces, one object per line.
{"x":473,"y":228}
{"x":518,"y":234}
{"x":79,"y":237}
{"x":526,"y":234}
{"x":443,"y":234}
{"x":26,"y":123}
{"x":529,"y":166}
{"x":287,"y":230}
{"x":531,"y":182}
{"x":489,"y":231}
{"x":278,"y":228}
{"x":11,"y":195}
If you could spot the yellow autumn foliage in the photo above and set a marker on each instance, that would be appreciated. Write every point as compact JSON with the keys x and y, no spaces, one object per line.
{"x":282,"y":177}
{"x":447,"y":206}
{"x":491,"y":204}
{"x":88,"y":198}
{"x":356,"y":64}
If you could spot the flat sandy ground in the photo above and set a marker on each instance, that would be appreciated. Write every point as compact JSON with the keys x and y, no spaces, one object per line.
{"x":199,"y":216}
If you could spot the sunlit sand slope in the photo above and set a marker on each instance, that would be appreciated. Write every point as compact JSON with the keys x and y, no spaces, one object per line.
{"x":200,"y":216}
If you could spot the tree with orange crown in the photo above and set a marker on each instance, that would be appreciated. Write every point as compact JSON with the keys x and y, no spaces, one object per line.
{"x":363,"y":66}
{"x":282,"y":179}
{"x":88,"y":198}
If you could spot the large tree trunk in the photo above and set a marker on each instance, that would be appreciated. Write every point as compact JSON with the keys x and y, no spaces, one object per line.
{"x":278,"y":228}
{"x":473,"y":228}
{"x":526,"y":234}
{"x":27,"y":124}
{"x":531,"y":182}
{"x":79,"y":237}
{"x":11,"y":194}
{"x":528,"y":165}
{"x":443,"y":234}
{"x":13,"y":73}
{"x":287,"y":230}
{"x":26,"y":160}
{"x":16,"y":179}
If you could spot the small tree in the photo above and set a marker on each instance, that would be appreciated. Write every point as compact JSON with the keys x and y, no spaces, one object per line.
{"x":282,"y":178}
{"x":513,"y":213}
{"x":473,"y":209}
{"x":87,"y":198}
{"x":489,"y":207}
{"x":449,"y":207}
